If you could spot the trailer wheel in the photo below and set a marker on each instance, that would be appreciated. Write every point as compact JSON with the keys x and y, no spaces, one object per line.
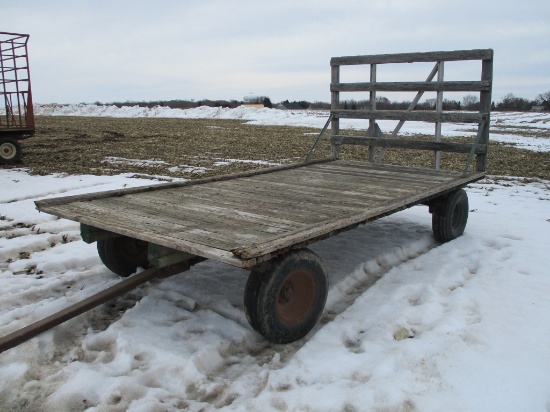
{"x":285,"y":297}
{"x":10,"y":150}
{"x":123,"y":255}
{"x":450,"y":215}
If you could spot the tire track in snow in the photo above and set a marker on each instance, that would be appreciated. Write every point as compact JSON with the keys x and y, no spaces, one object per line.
{"x":252,"y":358}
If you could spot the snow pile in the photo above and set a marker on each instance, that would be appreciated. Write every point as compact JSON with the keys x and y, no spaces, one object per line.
{"x":524,"y":130}
{"x":255,"y":115}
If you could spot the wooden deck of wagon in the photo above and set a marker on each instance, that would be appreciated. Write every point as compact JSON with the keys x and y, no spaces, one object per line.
{"x":263,"y":220}
{"x":248,"y":219}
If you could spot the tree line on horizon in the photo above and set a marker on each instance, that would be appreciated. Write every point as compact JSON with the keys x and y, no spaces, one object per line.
{"x":469,"y":102}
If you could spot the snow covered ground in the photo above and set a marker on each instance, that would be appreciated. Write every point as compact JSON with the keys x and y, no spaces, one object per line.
{"x":409,"y":324}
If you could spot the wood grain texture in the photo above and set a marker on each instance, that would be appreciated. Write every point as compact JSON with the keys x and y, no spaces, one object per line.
{"x":409,"y":144}
{"x":477,"y":54}
{"x":415,"y":116}
{"x":155,"y":187}
{"x":445,"y":86}
{"x":249,"y":219}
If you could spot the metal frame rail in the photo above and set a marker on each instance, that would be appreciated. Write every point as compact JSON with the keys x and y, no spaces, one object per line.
{"x":15,"y":85}
{"x":22,"y":335}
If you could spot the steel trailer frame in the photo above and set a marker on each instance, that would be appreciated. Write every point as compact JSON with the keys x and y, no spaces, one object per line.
{"x":17,"y":112}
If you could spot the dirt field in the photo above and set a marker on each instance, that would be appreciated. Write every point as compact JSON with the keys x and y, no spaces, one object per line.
{"x":200,"y":148}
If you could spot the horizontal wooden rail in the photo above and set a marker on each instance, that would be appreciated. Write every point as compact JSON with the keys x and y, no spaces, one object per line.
{"x":480,"y":54}
{"x":409,"y":144}
{"x":470,"y":86}
{"x":417,"y":116}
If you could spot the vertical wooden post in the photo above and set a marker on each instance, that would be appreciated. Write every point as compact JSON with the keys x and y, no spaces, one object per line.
{"x":439,"y":109}
{"x":335,"y":105}
{"x":485,"y":107}
{"x":372,"y":122}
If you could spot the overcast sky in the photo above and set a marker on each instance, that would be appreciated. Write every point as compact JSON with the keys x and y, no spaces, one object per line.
{"x":118,"y":50}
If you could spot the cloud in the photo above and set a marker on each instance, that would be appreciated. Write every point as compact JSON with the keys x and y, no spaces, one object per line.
{"x":138,"y":50}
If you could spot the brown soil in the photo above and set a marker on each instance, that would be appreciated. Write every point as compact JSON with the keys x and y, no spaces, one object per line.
{"x":173,"y":147}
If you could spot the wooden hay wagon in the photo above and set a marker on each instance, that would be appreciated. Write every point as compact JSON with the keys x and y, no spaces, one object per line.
{"x":264,"y":220}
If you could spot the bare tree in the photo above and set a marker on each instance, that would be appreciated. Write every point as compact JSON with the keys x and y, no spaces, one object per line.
{"x":470,"y":102}
{"x":431,"y":103}
{"x":543,"y":99}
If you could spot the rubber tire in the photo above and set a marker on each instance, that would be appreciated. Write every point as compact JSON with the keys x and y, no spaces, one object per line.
{"x":270,"y":291}
{"x":450,"y":215}
{"x":251,"y":292}
{"x":123,"y":255}
{"x":10,"y":150}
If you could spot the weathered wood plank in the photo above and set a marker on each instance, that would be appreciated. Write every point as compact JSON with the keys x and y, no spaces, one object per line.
{"x":120,"y":218}
{"x":259,"y":210}
{"x":183,"y":205}
{"x":43,"y":204}
{"x":362,"y":187}
{"x":387,"y":169}
{"x":193,"y":215}
{"x":415,"y":116}
{"x":139,"y":232}
{"x":293,"y":195}
{"x":409,"y":144}
{"x":398,"y":173}
{"x":478,"y":54}
{"x":163,"y":220}
{"x":371,"y":131}
{"x":314,"y":203}
{"x":329,"y":182}
{"x":334,"y":104}
{"x":279,"y":242}
{"x":446,"y":86}
{"x":328,"y":201}
{"x":485,"y":106}
{"x":439,"y":110}
{"x":255,"y":216}
{"x":272,"y":205}
{"x":182,"y":201}
{"x":340,"y":182}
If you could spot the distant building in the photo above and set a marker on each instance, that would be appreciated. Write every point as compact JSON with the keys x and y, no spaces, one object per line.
{"x":255,"y":101}
{"x":289,"y":106}
{"x":537,"y":108}
{"x":252,"y":99}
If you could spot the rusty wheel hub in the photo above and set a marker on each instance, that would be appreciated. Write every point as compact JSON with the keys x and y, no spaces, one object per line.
{"x":7,"y":150}
{"x":296,"y":297}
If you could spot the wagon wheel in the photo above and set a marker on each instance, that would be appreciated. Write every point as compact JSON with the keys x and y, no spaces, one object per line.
{"x":285,"y":297}
{"x":450,"y":215}
{"x":123,"y":255}
{"x":10,"y":150}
